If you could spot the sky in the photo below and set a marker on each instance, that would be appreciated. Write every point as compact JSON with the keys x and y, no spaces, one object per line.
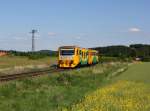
{"x":85,"y":23}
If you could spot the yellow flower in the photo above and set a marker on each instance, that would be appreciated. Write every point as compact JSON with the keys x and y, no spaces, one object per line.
{"x":122,"y":96}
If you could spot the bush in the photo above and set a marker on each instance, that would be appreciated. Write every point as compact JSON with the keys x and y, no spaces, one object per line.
{"x":146,"y":59}
{"x":35,"y":56}
{"x":115,"y":59}
{"x":108,"y":59}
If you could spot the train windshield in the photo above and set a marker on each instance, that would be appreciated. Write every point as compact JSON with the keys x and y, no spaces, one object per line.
{"x":67,"y":52}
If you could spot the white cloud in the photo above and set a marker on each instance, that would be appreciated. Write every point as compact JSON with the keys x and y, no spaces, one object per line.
{"x":78,"y":37}
{"x":134,"y":29}
{"x":52,"y":33}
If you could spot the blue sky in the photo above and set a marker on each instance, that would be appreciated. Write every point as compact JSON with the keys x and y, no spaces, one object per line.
{"x":87,"y":23}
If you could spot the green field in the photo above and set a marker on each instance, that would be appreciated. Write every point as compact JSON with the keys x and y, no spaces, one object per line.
{"x":118,"y":96}
{"x":111,"y":86}
{"x":127,"y":91}
{"x":54,"y":92}
{"x":12,"y":61}
{"x":138,"y":72}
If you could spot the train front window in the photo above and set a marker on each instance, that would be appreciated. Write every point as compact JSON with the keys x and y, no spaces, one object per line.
{"x":67,"y":52}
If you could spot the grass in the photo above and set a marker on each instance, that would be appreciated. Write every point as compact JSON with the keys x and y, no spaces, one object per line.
{"x":54,"y":92}
{"x":119,"y":96}
{"x":104,"y":87}
{"x":16,"y":64}
{"x":12,"y":61}
{"x":128,"y":91}
{"x":138,"y":72}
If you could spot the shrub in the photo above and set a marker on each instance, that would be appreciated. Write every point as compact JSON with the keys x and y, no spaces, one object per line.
{"x":108,"y":59}
{"x":35,"y":56}
{"x":146,"y":59}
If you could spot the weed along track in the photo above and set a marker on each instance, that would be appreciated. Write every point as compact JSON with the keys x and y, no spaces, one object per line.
{"x":28,"y":74}
{"x":15,"y":76}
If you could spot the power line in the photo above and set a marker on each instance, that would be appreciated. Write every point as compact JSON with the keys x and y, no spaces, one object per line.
{"x":33,"y":39}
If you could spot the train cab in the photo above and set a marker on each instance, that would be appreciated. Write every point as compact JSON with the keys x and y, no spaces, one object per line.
{"x":68,"y":56}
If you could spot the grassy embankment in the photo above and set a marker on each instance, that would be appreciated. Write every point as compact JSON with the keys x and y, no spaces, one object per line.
{"x":54,"y":92}
{"x":129,"y":91}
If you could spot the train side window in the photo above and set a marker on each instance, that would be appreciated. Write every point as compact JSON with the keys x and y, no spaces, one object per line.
{"x":80,"y":52}
{"x":77,"y":52}
{"x":83,"y":55}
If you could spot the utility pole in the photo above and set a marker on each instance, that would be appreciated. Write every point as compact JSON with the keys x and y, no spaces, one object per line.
{"x":33,"y":39}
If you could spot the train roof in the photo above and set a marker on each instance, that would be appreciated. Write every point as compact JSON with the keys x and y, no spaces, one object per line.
{"x":68,"y":47}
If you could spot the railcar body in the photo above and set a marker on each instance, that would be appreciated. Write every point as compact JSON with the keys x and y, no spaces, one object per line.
{"x":73,"y":56}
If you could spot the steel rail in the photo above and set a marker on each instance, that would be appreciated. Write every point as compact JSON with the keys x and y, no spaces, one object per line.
{"x":32,"y":74}
{"x":28,"y":74}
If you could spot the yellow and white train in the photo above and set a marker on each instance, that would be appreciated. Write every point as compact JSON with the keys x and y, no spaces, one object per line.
{"x":73,"y":56}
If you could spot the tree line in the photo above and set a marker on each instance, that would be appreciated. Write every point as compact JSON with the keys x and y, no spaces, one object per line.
{"x":32,"y":55}
{"x":141,"y":51}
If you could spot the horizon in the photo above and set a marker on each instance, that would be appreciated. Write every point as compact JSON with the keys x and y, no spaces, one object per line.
{"x":84,"y":23}
{"x":79,"y":46}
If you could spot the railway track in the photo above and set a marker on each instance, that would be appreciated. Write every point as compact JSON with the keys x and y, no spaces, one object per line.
{"x":31,"y":74}
{"x":28,"y":74}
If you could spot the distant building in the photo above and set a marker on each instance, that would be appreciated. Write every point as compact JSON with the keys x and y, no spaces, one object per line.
{"x":3,"y":53}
